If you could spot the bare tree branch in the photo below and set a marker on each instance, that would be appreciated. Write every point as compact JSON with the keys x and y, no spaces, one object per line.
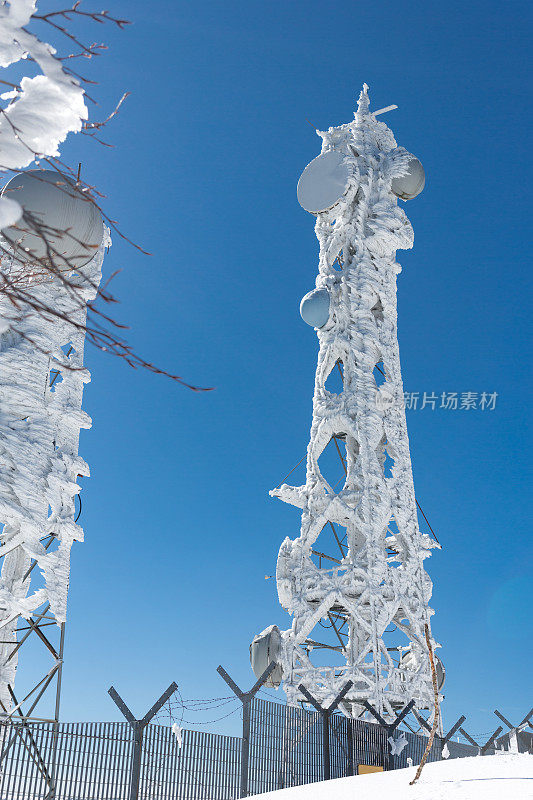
{"x":436,"y":704}
{"x":17,"y":282}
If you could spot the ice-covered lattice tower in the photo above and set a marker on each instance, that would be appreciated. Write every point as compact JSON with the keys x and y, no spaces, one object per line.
{"x":41,"y":386}
{"x":354,"y":580}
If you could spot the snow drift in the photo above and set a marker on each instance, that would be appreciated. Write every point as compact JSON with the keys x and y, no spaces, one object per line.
{"x":498,"y":777}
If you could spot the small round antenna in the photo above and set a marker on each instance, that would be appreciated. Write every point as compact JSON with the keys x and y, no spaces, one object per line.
{"x":314,"y":308}
{"x":409,"y":186}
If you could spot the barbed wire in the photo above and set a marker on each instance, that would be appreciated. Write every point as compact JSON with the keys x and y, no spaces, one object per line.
{"x":173,"y":711}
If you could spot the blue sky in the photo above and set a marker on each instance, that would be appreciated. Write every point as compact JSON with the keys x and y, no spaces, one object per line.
{"x":179,"y":528}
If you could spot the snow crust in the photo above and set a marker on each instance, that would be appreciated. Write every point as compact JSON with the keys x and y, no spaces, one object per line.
{"x":47,"y":107}
{"x":498,"y":777}
{"x":378,"y":511}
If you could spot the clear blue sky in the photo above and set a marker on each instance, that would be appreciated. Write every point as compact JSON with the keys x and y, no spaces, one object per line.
{"x":179,"y":528}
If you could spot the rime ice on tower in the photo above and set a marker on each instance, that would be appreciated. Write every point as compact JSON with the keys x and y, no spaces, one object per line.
{"x":41,"y":386}
{"x":354,"y":580}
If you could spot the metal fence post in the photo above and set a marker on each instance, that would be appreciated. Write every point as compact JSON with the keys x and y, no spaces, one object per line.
{"x":349,"y":742}
{"x":490,"y":740}
{"x":442,"y":740}
{"x":246,"y":699}
{"x":137,"y":727}
{"x":326,"y":713}
{"x":390,"y":727}
{"x":482,"y":749}
{"x":514,"y":730}
{"x":136,"y":759}
{"x":245,"y":757}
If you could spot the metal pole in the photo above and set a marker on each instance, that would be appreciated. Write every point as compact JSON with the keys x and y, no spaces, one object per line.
{"x":246,"y":699}
{"x":325,"y":712}
{"x":490,"y":740}
{"x":442,"y":740}
{"x":390,"y":757}
{"x":245,"y":755}
{"x":137,"y":727}
{"x":389,"y":727}
{"x":325,"y":744}
{"x":350,"y":747}
{"x":136,"y":760}
{"x":59,"y":673}
{"x":514,"y":730}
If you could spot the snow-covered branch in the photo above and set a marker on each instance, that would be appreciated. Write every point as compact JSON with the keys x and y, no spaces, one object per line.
{"x":41,"y":112}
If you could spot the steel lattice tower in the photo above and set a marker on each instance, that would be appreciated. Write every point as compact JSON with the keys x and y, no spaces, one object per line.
{"x":42,"y":376}
{"x":372,"y":594}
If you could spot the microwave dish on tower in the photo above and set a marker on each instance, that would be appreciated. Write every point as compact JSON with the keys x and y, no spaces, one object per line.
{"x":42,"y":377}
{"x":354,"y":580}
{"x":60,"y":222}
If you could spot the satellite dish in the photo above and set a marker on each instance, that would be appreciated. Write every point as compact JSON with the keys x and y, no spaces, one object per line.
{"x":409,"y":661}
{"x":314,"y":308}
{"x":265,"y":648}
{"x":73,"y":226}
{"x":441,"y":673}
{"x":323,"y":182}
{"x":409,"y":186}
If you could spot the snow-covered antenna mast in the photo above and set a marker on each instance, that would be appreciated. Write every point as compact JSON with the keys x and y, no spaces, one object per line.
{"x":41,"y":386}
{"x":354,"y":579}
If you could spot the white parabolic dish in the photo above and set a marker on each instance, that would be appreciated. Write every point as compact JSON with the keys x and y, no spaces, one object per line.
{"x":73,"y":226}
{"x":323,"y":182}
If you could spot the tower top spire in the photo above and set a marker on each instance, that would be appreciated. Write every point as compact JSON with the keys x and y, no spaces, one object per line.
{"x":363,"y":104}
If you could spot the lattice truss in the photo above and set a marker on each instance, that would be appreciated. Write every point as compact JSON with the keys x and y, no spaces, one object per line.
{"x":372,"y":593}
{"x":41,"y":386}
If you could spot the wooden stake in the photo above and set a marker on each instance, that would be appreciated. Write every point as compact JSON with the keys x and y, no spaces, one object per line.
{"x":436,"y":699}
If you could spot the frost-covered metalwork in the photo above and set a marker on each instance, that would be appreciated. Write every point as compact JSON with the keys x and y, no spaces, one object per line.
{"x":41,"y":386}
{"x":43,"y":302}
{"x":373,"y":594}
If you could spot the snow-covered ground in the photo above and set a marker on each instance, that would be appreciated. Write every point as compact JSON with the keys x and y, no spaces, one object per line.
{"x":505,"y":776}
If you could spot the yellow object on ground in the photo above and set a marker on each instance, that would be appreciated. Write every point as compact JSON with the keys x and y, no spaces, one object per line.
{"x":366,"y":769}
